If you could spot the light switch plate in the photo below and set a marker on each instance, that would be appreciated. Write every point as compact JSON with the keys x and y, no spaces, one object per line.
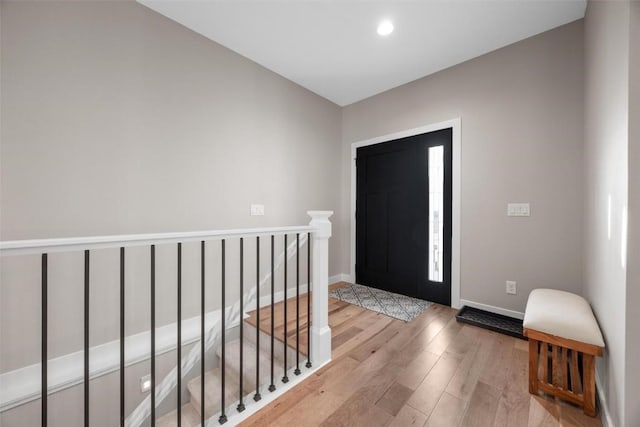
{"x":518,"y":209}
{"x":257,"y":210}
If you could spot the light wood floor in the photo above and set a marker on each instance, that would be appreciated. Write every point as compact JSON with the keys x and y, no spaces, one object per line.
{"x":432,"y":371}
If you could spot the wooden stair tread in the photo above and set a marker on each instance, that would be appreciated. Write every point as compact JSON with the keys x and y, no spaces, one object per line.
{"x":278,"y":346}
{"x":279,"y":325}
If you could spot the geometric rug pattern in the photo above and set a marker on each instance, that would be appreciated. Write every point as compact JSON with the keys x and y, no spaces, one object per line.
{"x":398,"y":306}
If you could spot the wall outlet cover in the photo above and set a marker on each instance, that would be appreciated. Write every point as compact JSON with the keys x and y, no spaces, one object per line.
{"x":511,"y":287}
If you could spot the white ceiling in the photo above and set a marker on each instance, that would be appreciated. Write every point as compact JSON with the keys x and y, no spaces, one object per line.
{"x":331,"y":46}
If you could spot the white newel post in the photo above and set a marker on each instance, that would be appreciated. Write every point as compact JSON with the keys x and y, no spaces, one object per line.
{"x":320,"y":330}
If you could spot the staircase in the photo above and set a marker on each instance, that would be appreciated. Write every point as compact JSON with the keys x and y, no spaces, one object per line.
{"x":250,"y":383}
{"x":190,"y":412}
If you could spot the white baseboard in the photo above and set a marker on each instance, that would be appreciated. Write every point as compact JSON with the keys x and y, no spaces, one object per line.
{"x":493,"y":309}
{"x":605,"y":415}
{"x":342,"y":277}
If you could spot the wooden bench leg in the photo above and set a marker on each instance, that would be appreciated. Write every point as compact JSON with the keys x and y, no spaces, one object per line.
{"x":533,"y":366}
{"x":589,"y":384}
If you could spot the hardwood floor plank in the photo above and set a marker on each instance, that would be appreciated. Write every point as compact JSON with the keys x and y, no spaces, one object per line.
{"x":573,"y":416}
{"x":466,"y":377}
{"x":431,"y":371}
{"x":442,"y":372}
{"x":345,"y":336}
{"x":407,"y":417}
{"x":482,"y":408}
{"x":447,"y":413}
{"x":377,"y":341}
{"x":315,"y":384}
{"x":429,"y":392}
{"x":425,"y":399}
{"x":358,"y":411}
{"x":513,"y":408}
{"x":415,"y":372}
{"x":366,"y":334}
{"x":512,"y":413}
{"x":522,"y":345}
{"x":543,"y":413}
{"x":394,"y":398}
{"x":445,"y":337}
{"x":495,"y":373}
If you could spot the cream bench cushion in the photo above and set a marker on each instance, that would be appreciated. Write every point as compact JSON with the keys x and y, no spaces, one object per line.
{"x":562,"y":314}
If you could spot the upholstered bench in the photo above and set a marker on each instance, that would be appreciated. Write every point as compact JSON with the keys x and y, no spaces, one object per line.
{"x":564,"y":339}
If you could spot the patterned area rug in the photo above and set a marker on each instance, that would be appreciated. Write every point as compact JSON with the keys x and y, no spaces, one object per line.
{"x":393,"y":305}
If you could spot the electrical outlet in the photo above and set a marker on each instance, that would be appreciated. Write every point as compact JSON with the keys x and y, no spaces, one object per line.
{"x":145,"y":383}
{"x":511,"y":287}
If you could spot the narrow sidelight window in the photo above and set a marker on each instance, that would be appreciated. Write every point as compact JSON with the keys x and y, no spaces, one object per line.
{"x":436,"y":213}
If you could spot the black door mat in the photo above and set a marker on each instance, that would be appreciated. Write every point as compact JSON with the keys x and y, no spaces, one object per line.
{"x":494,"y":322}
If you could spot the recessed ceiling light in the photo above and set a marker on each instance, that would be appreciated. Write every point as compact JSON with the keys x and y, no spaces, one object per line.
{"x":385,"y":28}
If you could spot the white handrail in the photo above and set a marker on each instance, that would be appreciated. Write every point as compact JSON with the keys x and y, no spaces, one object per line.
{"x":30,"y":247}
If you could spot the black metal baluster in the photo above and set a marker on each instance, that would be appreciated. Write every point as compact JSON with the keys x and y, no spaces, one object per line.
{"x":257,"y":396}
{"x":86,"y":338}
{"x":43,"y":349}
{"x":285,"y":378}
{"x":223,"y":418}
{"x":241,"y":406}
{"x":179,"y":339}
{"x":297,"y":371}
{"x":272,"y":386}
{"x":153,"y":335}
{"x":122,"y":318}
{"x":202,"y":396}
{"x":308,"y":365}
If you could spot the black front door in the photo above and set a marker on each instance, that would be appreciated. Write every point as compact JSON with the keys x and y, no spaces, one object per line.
{"x":403,"y":216}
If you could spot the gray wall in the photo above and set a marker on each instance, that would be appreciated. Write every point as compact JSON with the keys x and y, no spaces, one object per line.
{"x":633,"y":251}
{"x":606,"y":137}
{"x":521,"y":118}
{"x":132,"y":118}
{"x":117,"y":120}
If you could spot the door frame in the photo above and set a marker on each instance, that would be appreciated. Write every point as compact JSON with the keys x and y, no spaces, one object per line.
{"x":455,"y":125}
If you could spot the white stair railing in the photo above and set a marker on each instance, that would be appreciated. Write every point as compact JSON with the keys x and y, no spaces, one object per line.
{"x":319,"y":230}
{"x":233,"y":315}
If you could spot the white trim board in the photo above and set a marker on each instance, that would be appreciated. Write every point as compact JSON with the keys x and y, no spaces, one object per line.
{"x":455,"y":124}
{"x":605,"y":415}
{"x":493,"y":309}
{"x":342,"y":277}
